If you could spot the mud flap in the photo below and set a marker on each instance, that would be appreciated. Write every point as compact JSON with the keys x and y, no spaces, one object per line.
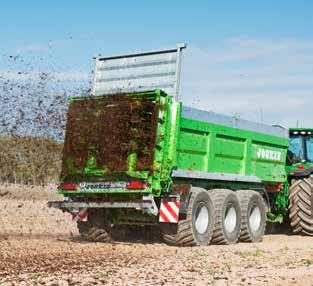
{"x":169,"y":210}
{"x":80,"y":215}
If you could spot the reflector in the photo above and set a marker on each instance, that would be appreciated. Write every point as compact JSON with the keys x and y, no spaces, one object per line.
{"x":301,"y":167}
{"x":68,"y":187}
{"x":136,"y":185}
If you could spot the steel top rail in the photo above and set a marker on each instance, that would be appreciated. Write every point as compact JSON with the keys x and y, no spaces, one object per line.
{"x":221,"y":119}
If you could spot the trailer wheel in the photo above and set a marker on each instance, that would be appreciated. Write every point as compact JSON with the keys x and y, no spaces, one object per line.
{"x":96,"y":229}
{"x":253,"y":216}
{"x":301,"y":205}
{"x":227,"y":217}
{"x":98,"y":234}
{"x":197,"y":227}
{"x":83,"y":228}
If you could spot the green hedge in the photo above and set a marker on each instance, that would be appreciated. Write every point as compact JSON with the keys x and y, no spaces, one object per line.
{"x":29,"y":160}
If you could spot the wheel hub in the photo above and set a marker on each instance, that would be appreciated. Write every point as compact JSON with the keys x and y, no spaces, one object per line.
{"x":230,"y":219}
{"x":202,"y":219}
{"x":255,"y":218}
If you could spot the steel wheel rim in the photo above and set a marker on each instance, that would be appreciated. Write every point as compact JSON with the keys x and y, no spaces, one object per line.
{"x":230,"y":218}
{"x":202,"y":219}
{"x":255,"y":218}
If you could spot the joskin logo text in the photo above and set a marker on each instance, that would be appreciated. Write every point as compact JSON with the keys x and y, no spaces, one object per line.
{"x":268,"y":154}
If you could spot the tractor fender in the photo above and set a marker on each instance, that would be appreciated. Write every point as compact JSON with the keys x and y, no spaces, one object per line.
{"x":300,"y":173}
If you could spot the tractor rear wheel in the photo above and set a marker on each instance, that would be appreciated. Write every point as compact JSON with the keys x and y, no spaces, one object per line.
{"x":197,"y":227}
{"x":301,"y":205}
{"x":253,"y":215}
{"x":227,"y":216}
{"x":96,"y":229}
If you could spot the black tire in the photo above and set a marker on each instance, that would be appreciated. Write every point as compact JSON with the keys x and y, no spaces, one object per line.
{"x":301,"y":205}
{"x":98,"y":234}
{"x":96,"y":229}
{"x":83,"y":228}
{"x":189,"y":231}
{"x":253,"y":216}
{"x":227,"y":217}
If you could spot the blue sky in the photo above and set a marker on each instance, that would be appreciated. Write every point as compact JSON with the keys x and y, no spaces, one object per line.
{"x":253,"y":59}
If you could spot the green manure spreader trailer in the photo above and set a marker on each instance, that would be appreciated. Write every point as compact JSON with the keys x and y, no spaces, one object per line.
{"x":135,"y":156}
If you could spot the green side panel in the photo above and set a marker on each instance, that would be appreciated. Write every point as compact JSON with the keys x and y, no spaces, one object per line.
{"x":193,"y":150}
{"x":267,"y":162}
{"x":229,"y":154}
{"x":165,"y":145}
{"x":214,"y":148}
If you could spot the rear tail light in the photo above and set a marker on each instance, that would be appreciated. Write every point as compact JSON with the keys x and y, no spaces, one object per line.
{"x":301,"y":167}
{"x":68,"y":187}
{"x":136,"y":185}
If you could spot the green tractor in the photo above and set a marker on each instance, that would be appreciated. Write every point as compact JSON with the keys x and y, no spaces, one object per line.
{"x":300,"y":179}
{"x":292,"y":202}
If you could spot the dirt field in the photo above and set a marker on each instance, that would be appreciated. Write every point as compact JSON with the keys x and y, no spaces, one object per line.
{"x":38,"y":247}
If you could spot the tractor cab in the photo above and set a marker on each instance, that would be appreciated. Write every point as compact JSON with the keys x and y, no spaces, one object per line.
{"x":300,"y":151}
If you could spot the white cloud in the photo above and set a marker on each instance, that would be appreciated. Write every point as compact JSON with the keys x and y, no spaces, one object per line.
{"x":60,"y":76}
{"x":251,"y":77}
{"x":238,"y":49}
{"x":34,"y":48}
{"x":71,"y":76}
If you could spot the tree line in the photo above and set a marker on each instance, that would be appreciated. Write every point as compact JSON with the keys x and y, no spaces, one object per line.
{"x":29,"y":160}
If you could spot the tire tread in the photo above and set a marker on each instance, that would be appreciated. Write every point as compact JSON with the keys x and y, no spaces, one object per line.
{"x":300,"y":206}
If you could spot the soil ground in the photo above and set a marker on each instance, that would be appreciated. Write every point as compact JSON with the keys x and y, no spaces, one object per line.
{"x":39,"y":246}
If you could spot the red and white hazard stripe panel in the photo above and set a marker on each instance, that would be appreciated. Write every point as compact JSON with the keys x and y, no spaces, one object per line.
{"x":169,"y":211}
{"x":81,"y":215}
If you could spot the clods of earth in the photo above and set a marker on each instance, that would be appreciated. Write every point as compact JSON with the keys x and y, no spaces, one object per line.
{"x":40,"y":246}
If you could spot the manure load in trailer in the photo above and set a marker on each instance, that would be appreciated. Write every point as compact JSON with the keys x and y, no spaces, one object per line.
{"x":111,"y":130}
{"x":136,"y":155}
